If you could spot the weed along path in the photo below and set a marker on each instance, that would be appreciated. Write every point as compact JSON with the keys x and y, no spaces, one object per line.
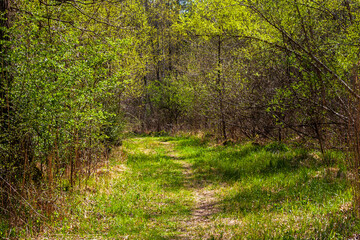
{"x":184,"y":188}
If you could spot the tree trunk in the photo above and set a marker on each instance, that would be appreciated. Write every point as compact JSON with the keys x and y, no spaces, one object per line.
{"x":6,"y":174}
{"x":220,"y":88}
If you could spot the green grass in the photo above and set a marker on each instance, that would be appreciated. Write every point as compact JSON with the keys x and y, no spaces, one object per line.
{"x":277,"y":192}
{"x":265,"y":192}
{"x":141,"y":199}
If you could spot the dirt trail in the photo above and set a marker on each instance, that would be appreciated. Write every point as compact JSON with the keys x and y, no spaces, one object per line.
{"x":202,"y":224}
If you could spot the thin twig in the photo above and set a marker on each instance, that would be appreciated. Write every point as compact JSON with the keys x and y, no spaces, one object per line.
{"x":37,"y":213}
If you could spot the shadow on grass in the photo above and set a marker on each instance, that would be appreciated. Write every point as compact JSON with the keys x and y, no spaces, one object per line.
{"x":269,"y":179}
{"x":272,"y":192}
{"x":191,"y":142}
{"x":157,"y":169}
{"x":273,"y":179}
{"x":232,"y":164}
{"x":314,"y":204}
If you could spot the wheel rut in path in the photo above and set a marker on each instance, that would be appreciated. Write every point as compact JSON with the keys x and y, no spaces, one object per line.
{"x":202,"y":223}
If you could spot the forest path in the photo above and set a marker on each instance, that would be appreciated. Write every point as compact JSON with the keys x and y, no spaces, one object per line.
{"x":151,"y":189}
{"x":202,"y":223}
{"x":186,"y":200}
{"x":186,"y":188}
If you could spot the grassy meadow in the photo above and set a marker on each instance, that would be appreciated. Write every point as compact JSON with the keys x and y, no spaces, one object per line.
{"x":189,"y":188}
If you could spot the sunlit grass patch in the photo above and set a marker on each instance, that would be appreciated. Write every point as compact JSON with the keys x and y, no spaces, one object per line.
{"x":277,"y":192}
{"x":152,"y":195}
{"x":139,"y":198}
{"x":257,"y":192}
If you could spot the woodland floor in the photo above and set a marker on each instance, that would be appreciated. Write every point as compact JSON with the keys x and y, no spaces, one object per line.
{"x":186,"y":188}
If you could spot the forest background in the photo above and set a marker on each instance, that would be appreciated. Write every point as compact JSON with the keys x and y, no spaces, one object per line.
{"x":76,"y":75}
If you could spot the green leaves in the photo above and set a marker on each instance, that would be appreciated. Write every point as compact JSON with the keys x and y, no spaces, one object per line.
{"x":217,"y":18}
{"x":65,"y":70}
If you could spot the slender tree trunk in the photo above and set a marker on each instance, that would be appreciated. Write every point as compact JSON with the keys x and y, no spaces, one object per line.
{"x":4,"y":77}
{"x":354,"y":133}
{"x":220,"y":88}
{"x":5,"y":81}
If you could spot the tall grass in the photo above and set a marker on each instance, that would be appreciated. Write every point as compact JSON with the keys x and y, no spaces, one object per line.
{"x":277,"y":192}
{"x":263,"y":192}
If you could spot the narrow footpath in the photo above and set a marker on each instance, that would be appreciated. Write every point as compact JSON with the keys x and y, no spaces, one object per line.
{"x":202,"y":222}
{"x":183,"y":188}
